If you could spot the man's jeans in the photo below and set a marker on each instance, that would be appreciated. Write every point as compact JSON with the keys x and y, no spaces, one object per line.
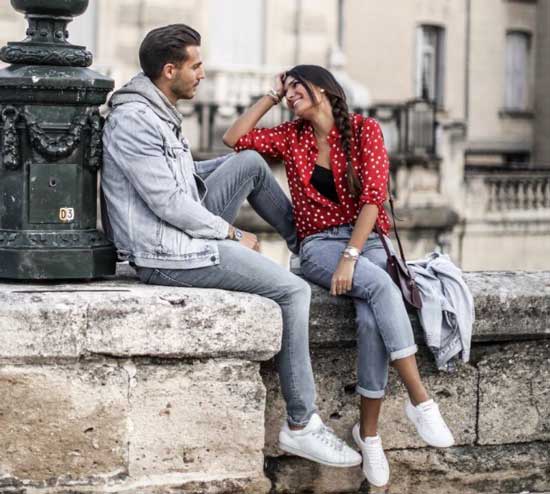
{"x":247,"y":176}
{"x":384,"y":330}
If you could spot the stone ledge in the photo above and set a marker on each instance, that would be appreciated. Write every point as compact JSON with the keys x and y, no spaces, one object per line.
{"x":509,"y":306}
{"x":124,"y":318}
{"x":459,"y":470}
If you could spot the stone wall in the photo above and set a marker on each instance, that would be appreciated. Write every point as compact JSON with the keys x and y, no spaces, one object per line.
{"x":113,"y":386}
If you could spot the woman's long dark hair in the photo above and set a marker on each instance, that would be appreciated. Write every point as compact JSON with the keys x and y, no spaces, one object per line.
{"x":322,"y":78}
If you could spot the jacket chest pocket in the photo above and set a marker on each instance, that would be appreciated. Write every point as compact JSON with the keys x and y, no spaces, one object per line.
{"x":175,"y":157}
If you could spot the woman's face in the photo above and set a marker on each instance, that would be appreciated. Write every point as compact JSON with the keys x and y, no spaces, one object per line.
{"x":298,"y":99}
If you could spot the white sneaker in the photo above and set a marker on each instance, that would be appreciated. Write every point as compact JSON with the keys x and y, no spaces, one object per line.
{"x":430,"y":424}
{"x":318,"y":443}
{"x":375,"y":464}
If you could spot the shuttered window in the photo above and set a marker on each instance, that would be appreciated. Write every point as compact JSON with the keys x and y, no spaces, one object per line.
{"x":430,"y":63}
{"x":518,"y":54}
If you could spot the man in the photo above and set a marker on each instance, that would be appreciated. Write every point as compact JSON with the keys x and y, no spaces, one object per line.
{"x":172,"y":219}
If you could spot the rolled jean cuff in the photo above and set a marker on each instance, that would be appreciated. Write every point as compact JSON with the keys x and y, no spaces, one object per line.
{"x":369,"y":394}
{"x":405,"y":352}
{"x":302,"y":422}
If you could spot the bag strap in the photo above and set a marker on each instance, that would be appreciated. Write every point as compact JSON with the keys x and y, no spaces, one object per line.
{"x":381,"y":235}
{"x":401,"y":251}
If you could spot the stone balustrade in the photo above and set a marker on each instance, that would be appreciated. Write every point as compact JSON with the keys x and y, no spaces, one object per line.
{"x":518,"y":191}
{"x":114,"y":386}
{"x":510,"y":192}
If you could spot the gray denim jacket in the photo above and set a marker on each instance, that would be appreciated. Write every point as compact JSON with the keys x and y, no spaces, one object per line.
{"x":152,"y":188}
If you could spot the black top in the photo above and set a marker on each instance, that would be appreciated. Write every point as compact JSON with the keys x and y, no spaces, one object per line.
{"x":323,"y":181}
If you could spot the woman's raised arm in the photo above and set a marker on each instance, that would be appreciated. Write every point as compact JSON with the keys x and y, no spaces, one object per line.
{"x":248,"y":120}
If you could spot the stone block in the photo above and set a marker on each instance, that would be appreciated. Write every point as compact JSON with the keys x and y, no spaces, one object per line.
{"x":471,"y":470}
{"x":184,"y":322}
{"x":201,"y":419}
{"x":38,"y":325}
{"x":338,"y":404}
{"x":514,"y":394}
{"x":125,"y":318}
{"x":458,"y":470}
{"x":62,"y":423}
{"x":162,"y":484}
{"x":510,"y":305}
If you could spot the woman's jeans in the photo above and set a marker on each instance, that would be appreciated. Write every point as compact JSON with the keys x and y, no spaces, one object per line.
{"x":384,"y":330}
{"x":247,"y":176}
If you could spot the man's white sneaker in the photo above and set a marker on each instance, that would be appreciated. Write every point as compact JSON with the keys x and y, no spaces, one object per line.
{"x":318,"y":443}
{"x":430,"y":424}
{"x":375,"y":464}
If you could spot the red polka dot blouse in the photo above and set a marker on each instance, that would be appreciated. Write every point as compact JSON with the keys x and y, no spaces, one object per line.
{"x":295,"y":143}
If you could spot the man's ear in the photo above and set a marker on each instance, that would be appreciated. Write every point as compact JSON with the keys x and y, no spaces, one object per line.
{"x":169,"y":71}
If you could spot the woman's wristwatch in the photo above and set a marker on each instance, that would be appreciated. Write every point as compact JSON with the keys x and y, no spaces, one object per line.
{"x":351,"y":253}
{"x":274,"y":96}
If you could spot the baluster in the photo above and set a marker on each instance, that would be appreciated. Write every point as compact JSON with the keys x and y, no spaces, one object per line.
{"x":502,"y":195}
{"x":512,"y":194}
{"x":530,"y":196}
{"x":492,"y":203}
{"x":546,"y":193}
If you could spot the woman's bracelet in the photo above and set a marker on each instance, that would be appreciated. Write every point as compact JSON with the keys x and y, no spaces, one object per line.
{"x":274,"y":96}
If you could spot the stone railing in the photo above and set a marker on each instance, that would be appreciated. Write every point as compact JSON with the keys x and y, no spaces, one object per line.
{"x":518,"y":191}
{"x":506,"y":219}
{"x":514,"y":192}
{"x":409,"y":128}
{"x":113,"y":386}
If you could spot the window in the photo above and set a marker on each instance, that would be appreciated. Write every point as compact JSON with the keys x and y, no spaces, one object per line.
{"x":236,"y":32}
{"x":430,"y":66}
{"x":518,"y":55}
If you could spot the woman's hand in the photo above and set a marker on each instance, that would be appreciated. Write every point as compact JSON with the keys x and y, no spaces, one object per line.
{"x":342,"y":279}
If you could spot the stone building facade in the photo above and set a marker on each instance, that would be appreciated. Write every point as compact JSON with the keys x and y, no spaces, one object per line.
{"x":483,"y":62}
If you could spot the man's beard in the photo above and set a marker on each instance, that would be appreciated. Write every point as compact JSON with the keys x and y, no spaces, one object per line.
{"x":179,"y":90}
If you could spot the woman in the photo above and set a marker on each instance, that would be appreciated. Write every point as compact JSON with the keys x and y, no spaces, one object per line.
{"x":337,"y":170}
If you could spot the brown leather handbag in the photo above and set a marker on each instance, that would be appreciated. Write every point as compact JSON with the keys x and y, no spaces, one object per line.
{"x":397,"y":267}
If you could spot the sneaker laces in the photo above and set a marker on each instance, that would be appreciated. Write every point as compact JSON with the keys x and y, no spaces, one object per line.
{"x":375,"y":454}
{"x":328,"y":437}
{"x":429,"y":415}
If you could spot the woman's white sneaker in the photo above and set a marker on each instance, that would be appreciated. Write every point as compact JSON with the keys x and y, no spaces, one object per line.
{"x":375,"y":464}
{"x":318,"y":443}
{"x":429,"y":423}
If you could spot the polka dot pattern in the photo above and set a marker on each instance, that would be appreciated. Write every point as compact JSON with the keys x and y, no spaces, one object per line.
{"x":295,"y":143}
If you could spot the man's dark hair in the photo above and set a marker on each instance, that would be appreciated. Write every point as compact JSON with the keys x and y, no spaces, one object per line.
{"x":167,"y":44}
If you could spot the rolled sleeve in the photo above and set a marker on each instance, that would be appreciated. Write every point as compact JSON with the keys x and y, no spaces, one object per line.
{"x":375,"y":165}
{"x":274,"y":142}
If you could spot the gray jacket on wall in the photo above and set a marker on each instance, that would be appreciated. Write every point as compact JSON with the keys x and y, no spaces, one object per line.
{"x":447,"y":315}
{"x":153,"y":189}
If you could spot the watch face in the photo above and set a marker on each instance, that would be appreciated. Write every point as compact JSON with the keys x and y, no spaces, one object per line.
{"x":238,"y":234}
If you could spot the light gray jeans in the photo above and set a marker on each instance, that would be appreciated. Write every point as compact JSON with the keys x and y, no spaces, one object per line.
{"x":247,"y":176}
{"x":384,"y":330}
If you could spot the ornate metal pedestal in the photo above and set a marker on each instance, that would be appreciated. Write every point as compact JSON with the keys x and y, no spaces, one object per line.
{"x":50,"y":151}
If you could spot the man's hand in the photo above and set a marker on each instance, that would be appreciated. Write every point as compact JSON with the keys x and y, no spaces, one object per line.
{"x":250,"y":240}
{"x":342,"y":279}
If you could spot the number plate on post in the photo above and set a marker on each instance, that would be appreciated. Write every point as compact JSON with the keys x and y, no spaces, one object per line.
{"x":66,"y":215}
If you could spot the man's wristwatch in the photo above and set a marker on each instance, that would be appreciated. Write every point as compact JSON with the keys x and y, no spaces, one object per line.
{"x":234,"y":234}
